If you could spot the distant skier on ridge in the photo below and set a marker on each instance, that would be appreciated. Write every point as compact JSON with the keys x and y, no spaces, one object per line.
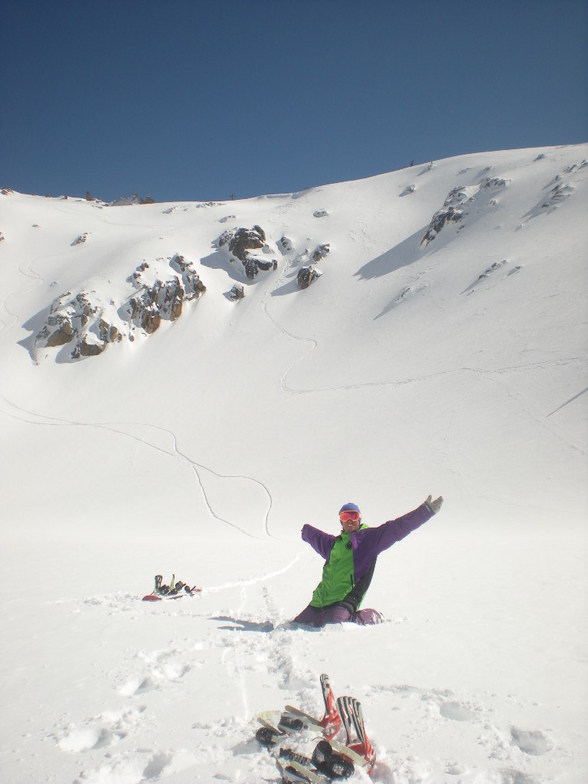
{"x":350,"y":560}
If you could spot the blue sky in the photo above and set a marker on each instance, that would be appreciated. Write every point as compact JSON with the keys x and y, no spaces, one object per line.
{"x":196,"y":100}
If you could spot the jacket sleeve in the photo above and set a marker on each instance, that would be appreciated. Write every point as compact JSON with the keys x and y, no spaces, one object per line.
{"x":384,"y":536}
{"x":318,"y":540}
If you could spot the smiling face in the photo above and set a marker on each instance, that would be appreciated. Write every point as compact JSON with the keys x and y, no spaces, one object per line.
{"x":350,"y":521}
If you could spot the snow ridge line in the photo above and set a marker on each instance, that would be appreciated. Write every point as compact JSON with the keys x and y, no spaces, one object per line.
{"x":195,"y":466}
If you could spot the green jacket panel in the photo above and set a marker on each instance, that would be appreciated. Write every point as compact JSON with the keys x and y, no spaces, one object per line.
{"x":338,"y":573}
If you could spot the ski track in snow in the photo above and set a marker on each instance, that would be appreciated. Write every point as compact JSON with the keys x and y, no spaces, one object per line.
{"x":493,"y":375}
{"x":13,"y":318}
{"x":34,"y":418}
{"x":197,"y":468}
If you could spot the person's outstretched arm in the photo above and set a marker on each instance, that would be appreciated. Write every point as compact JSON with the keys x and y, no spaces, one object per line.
{"x":393,"y":531}
{"x":318,"y":540}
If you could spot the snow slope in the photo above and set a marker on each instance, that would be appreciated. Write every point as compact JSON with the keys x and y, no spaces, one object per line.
{"x":455,"y":366}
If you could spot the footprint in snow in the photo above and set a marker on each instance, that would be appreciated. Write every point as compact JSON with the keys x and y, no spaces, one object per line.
{"x":510,"y":776}
{"x":456,"y":711}
{"x":131,"y":768}
{"x":78,"y":739}
{"x":532,"y":742}
{"x":160,"y":667}
{"x":104,"y":730}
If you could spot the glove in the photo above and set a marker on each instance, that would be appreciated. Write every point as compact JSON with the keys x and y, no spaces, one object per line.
{"x":435,"y":505}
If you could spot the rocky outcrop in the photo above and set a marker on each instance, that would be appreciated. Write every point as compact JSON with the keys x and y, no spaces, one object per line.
{"x":439,"y":220}
{"x":285,"y":245}
{"x":236,"y":293}
{"x":458,"y":203}
{"x":244,"y":245}
{"x":561,"y":187}
{"x":124,"y":201}
{"x":69,"y":320}
{"x":90,"y":325}
{"x":306,"y":275}
{"x":163,"y":300}
{"x":320,"y":252}
{"x":245,"y":240}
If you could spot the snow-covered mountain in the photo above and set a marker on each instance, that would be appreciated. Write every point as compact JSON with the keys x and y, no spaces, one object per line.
{"x":184,"y":385}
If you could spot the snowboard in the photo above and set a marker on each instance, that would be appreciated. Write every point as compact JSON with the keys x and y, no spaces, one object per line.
{"x":175,"y":590}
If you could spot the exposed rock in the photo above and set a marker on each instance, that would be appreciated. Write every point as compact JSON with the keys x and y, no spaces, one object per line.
{"x":440,"y":219}
{"x":306,"y":275}
{"x":285,"y":245}
{"x":90,"y":349}
{"x":451,"y":211}
{"x":82,"y":318}
{"x":108,"y":332}
{"x":2,"y":237}
{"x":320,"y":214}
{"x":224,"y":238}
{"x":246,"y":239}
{"x":460,"y":195}
{"x":193,"y":287}
{"x":150,"y":319}
{"x":460,"y":199}
{"x":251,"y":268}
{"x":321,"y":252}
{"x":141,"y":268}
{"x":493,"y":183}
{"x":164,"y":299}
{"x":124,"y":201}
{"x":242,"y":244}
{"x":66,"y":320}
{"x":81,"y":239}
{"x":62,"y":334}
{"x":561,"y":191}
{"x":236,"y":293}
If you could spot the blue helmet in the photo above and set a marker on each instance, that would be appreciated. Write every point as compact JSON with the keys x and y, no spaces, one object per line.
{"x":349,"y":508}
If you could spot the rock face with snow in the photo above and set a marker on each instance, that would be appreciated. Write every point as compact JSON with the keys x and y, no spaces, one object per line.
{"x":164,"y":299}
{"x":460,"y":201}
{"x":89,"y":324}
{"x":321,"y":252}
{"x":125,"y":201}
{"x":306,"y":275}
{"x":242,"y":244}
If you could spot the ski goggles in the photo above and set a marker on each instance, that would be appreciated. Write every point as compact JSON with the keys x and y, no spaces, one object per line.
{"x":350,"y":515}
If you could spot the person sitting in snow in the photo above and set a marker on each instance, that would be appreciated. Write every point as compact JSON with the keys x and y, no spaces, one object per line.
{"x":350,"y":562}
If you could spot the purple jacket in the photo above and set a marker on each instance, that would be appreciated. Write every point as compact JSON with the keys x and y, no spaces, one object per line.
{"x":368,"y":543}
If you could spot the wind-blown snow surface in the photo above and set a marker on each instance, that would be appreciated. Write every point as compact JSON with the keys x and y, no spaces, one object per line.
{"x":456,"y":367}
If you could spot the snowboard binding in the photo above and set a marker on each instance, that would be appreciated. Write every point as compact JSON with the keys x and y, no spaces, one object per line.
{"x":356,"y":736}
{"x":172,"y":591}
